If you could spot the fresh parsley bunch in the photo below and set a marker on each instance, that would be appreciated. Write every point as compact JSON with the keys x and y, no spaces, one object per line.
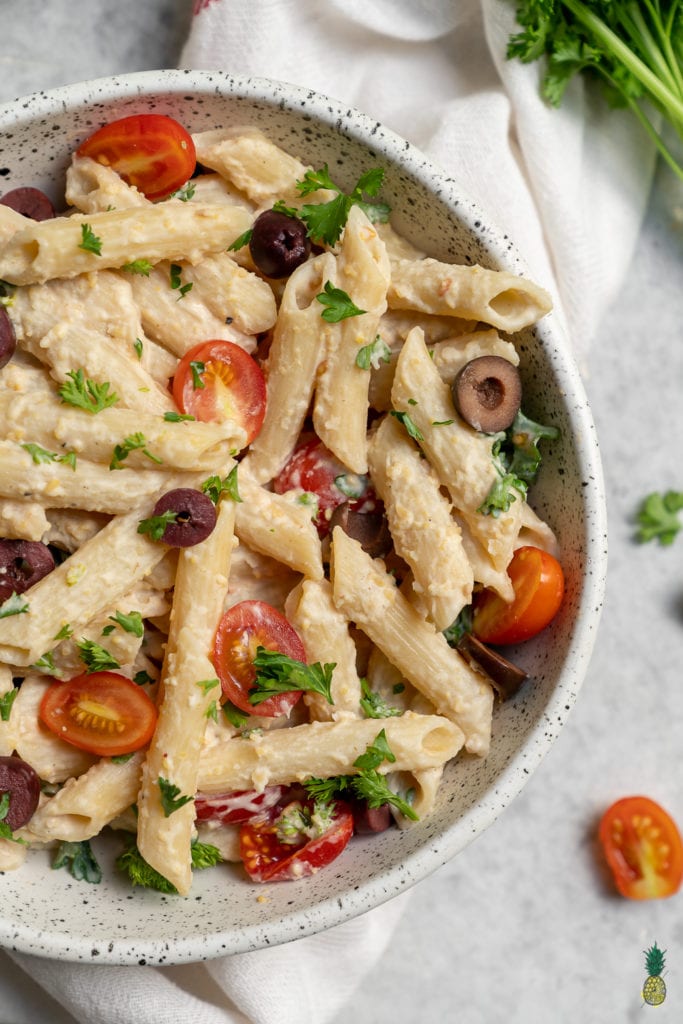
{"x":634,"y":48}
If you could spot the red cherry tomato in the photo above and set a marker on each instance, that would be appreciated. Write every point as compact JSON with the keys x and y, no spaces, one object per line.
{"x":103,"y":713}
{"x":313,"y":468}
{"x":238,"y":807}
{"x":267,"y":859}
{"x":538,"y":582}
{"x":218,"y":380}
{"x":150,"y":151}
{"x":245,"y":627}
{"x":643,"y":848}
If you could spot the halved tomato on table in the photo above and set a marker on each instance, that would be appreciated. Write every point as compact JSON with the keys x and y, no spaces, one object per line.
{"x":218,"y":380}
{"x":242,"y":630}
{"x":538,"y":582}
{"x":643,"y":848}
{"x":101,"y":712}
{"x":267,"y":858}
{"x":150,"y":151}
{"x":313,"y":468}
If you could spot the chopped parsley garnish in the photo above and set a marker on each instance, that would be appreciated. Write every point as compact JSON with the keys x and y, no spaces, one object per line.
{"x":141,"y":267}
{"x":213,"y":487}
{"x":89,"y":241}
{"x":42,"y":455}
{"x":155,"y":526}
{"x":197,"y":368}
{"x":7,"y":291}
{"x":212,"y":711}
{"x":658,"y":517}
{"x":338,"y":305}
{"x":241,"y":240}
{"x":5,"y":830}
{"x":171,"y":800}
{"x":442,"y":423}
{"x":64,"y":633}
{"x":410,"y":425}
{"x":137,"y":345}
{"x":185,"y":193}
{"x":79,"y":861}
{"x":237,"y":718}
{"x":278,"y":673}
{"x":14,"y":605}
{"x":121,"y":758}
{"x":374,"y":705}
{"x":130,"y":623}
{"x":139,"y":872}
{"x":141,"y":678}
{"x":457,"y":629}
{"x":134,"y":442}
{"x":178,"y":417}
{"x":45,"y":663}
{"x":519,"y":448}
{"x":208,"y":684}
{"x":176,"y":281}
{"x":85,"y":393}
{"x":310,"y":500}
{"x":95,"y":657}
{"x":370,"y":356}
{"x":325,"y":221}
{"x":6,"y":702}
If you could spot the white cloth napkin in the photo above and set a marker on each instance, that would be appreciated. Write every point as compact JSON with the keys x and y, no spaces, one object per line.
{"x":569,"y":186}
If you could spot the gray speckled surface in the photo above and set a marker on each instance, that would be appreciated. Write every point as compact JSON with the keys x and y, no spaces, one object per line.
{"x":522,"y":925}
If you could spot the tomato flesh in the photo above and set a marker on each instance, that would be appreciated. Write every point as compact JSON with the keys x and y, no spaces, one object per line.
{"x":242,"y":629}
{"x":217,"y":381}
{"x":103,"y":713}
{"x":267,"y":859}
{"x":237,"y":807}
{"x":152,"y":152}
{"x":314,"y":469}
{"x":538,"y":582}
{"x":643,"y":848}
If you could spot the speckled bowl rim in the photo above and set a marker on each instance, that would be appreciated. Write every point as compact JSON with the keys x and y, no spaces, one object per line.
{"x":332,"y":911}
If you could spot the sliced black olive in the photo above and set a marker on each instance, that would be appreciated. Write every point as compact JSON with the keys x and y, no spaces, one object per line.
{"x":370,"y":820}
{"x":487,"y":393}
{"x":195,"y":516}
{"x":505,"y":677}
{"x":21,"y":782}
{"x":22,"y":563}
{"x":8,"y":339}
{"x":29,"y":202}
{"x":370,"y":529}
{"x":278,"y":244}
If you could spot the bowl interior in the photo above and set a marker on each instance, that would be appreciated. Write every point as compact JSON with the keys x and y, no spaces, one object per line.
{"x":52,"y":915}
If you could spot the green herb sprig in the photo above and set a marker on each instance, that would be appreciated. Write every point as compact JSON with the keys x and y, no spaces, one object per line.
{"x":277,"y":673}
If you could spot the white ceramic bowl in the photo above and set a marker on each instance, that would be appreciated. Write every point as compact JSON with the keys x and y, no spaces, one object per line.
{"x":51,"y":914}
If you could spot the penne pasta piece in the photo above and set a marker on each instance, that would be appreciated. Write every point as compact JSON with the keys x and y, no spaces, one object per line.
{"x":495,"y":297}
{"x":93,"y":187}
{"x":248,"y":159}
{"x":188,"y":689}
{"x":6,"y":724}
{"x":232,"y":294}
{"x":368,"y":595}
{"x":425,"y":534}
{"x":325,"y":749}
{"x":340,"y":409}
{"x":299,"y":343}
{"x":451,"y":355}
{"x":22,"y":520}
{"x":54,"y":248}
{"x":421,"y":787}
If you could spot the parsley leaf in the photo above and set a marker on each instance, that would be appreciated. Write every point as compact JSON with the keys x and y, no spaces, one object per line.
{"x":141,"y":267}
{"x":138,"y":346}
{"x":241,"y":240}
{"x":213,"y":486}
{"x":375,"y":753}
{"x":170,"y":797}
{"x":131,"y":623}
{"x":178,"y":417}
{"x":89,"y":240}
{"x":197,"y":368}
{"x":79,"y":860}
{"x":133,"y":442}
{"x":13,"y":605}
{"x":369,"y":356}
{"x":86,"y":394}
{"x":64,"y":633}
{"x":95,"y":657}
{"x":658,"y":517}
{"x":176,"y":281}
{"x":278,"y":673}
{"x":6,"y":702}
{"x":45,"y":663}
{"x":339,"y":305}
{"x":457,"y":629}
{"x":185,"y":193}
{"x":155,"y":526}
{"x":207,"y":684}
{"x":142,"y":677}
{"x":410,"y":425}
{"x":237,"y":718}
{"x":519,"y":448}
{"x":325,"y":221}
{"x":374,"y":705}
{"x":139,"y":872}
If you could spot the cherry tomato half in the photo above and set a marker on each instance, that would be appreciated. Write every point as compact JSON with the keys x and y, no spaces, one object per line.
{"x":267,"y":859}
{"x":150,"y":151}
{"x":313,"y":468}
{"x":538,"y":582}
{"x":237,"y":807}
{"x":103,"y":712}
{"x":218,"y":380}
{"x":643,"y":848}
{"x":243,"y":628}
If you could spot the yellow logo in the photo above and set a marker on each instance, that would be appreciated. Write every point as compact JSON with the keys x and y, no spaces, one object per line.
{"x":654,"y":988}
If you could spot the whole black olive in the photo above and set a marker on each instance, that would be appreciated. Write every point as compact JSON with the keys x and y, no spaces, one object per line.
{"x":22,"y":563}
{"x":487,"y":393}
{"x":29,"y":202}
{"x":279,"y":243}
{"x":195,"y":516}
{"x":8,"y":339}
{"x":370,"y":529}
{"x":21,"y":783}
